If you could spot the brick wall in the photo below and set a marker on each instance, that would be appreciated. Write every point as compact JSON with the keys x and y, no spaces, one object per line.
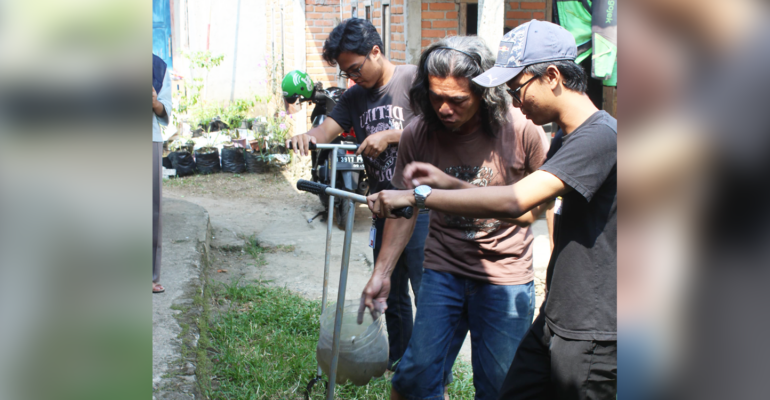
{"x":320,"y":18}
{"x":439,"y":19}
{"x":397,"y":21}
{"x":519,"y":12}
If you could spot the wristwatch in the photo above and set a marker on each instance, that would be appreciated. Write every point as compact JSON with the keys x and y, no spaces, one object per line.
{"x":420,"y":194}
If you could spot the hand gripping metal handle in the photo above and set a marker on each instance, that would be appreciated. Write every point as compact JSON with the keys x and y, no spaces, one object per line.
{"x":319,"y":188}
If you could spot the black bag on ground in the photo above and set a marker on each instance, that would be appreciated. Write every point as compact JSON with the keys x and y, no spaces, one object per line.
{"x":207,"y":160}
{"x":167,"y":162}
{"x":182,"y":162}
{"x":255,"y":162}
{"x":232,"y":160}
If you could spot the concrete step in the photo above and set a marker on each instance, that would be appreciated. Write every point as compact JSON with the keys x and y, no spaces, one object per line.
{"x":185,"y":255}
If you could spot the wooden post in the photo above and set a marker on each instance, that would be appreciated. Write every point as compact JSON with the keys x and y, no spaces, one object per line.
{"x":610,"y":100}
{"x":549,"y":10}
{"x":463,"y":17}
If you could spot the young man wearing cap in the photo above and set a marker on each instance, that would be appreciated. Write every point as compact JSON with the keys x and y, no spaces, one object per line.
{"x":377,"y":107}
{"x":478,"y":271}
{"x":570,"y":352}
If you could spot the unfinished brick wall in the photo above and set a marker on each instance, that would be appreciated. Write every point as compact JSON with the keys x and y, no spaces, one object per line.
{"x":440,"y":18}
{"x":320,"y":18}
{"x":397,"y":36}
{"x":519,"y":12}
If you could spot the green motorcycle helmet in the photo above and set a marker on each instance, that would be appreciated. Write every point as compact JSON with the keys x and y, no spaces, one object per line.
{"x":297,"y":84}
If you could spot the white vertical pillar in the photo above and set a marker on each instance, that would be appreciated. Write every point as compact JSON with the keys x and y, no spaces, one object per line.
{"x":491,"y":22}
{"x":413,"y":28}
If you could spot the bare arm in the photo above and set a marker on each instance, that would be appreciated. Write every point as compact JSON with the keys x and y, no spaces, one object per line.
{"x":418,"y":173}
{"x":378,"y":142}
{"x":395,"y":236}
{"x":487,"y":202}
{"x":324,"y":133}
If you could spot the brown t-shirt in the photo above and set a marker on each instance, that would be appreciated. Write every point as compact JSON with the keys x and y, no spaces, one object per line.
{"x":487,"y":250}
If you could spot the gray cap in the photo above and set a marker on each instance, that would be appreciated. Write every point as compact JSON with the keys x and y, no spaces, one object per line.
{"x":530,"y":43}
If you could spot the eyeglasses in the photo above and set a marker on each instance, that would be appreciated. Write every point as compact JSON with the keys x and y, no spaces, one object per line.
{"x":356,"y":73}
{"x":515,"y":92}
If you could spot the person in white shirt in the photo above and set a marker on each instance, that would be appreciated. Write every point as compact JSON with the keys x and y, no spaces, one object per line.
{"x":161,"y":111}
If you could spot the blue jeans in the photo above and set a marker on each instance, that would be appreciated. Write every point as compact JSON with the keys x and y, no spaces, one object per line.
{"x":398,"y":316}
{"x":498,"y":317}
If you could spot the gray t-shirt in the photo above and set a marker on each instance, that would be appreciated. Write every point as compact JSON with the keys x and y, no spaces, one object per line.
{"x":370,"y":111}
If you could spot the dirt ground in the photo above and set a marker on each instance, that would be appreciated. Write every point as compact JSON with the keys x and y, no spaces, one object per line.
{"x":271,"y":209}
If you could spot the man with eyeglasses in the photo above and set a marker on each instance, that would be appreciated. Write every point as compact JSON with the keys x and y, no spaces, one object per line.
{"x":377,"y":107}
{"x":570,"y":351}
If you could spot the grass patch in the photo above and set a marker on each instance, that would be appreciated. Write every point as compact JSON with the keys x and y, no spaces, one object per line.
{"x":263,"y":347}
{"x":256,"y":250}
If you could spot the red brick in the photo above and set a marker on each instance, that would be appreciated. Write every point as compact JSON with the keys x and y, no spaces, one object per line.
{"x":518,"y":15}
{"x":328,"y":30}
{"x":397,"y":28}
{"x":397,"y":38}
{"x":323,"y":9}
{"x":323,"y":22}
{"x":445,"y":24}
{"x":532,"y":6}
{"x":322,"y":36}
{"x":314,"y":16}
{"x":315,"y":30}
{"x":426,"y":24}
{"x":538,"y":15}
{"x":376,"y":14}
{"x":451,"y":33}
{"x":433,"y":15}
{"x":442,"y":6}
{"x":451,"y":15}
{"x":398,"y":2}
{"x":426,"y":43}
{"x":398,"y":46}
{"x":424,"y":6}
{"x":396,"y":19}
{"x":433,"y":33}
{"x":397,"y":10}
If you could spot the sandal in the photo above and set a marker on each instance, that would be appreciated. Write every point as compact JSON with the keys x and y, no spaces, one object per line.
{"x":157,"y":288}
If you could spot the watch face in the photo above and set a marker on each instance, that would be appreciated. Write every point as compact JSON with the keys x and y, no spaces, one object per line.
{"x":422,"y":190}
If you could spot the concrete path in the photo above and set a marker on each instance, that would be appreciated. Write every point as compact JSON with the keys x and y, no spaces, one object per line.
{"x":185,"y":251}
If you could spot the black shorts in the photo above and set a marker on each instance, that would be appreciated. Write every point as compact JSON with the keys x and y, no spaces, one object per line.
{"x":547,"y":366}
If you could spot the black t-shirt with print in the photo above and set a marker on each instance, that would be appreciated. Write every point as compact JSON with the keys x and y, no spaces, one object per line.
{"x":582,"y":274}
{"x":377,"y":110}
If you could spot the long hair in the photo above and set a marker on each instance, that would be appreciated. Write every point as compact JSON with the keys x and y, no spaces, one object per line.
{"x":471,"y":59}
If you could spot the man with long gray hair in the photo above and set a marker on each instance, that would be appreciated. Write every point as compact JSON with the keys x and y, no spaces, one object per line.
{"x":478,"y":272}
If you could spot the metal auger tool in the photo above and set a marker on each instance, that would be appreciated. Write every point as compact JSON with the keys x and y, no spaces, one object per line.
{"x":318,"y":188}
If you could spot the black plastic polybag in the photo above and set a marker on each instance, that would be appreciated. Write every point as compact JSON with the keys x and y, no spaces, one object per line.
{"x":207,"y":160}
{"x":182,"y":162}
{"x":233,"y":160}
{"x":255,"y":162}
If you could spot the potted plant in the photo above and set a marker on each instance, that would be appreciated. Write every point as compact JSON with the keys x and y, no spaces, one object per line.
{"x":207,"y":156}
{"x":233,"y":159}
{"x":181,"y":157}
